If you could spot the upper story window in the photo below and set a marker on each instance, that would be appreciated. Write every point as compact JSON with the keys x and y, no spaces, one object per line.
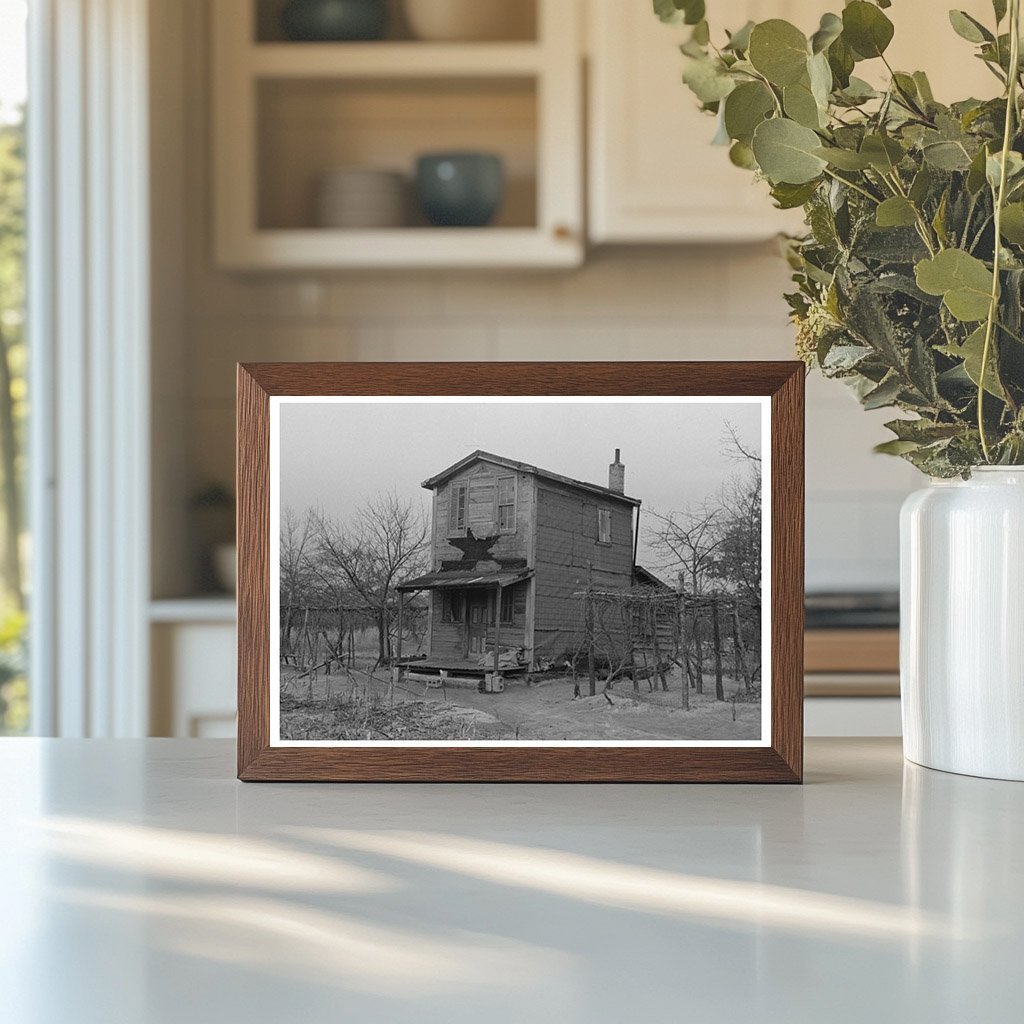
{"x":457,"y":509}
{"x":506,"y":504}
{"x":604,"y":526}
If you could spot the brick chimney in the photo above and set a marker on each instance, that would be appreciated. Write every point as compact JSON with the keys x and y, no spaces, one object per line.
{"x":617,"y":475}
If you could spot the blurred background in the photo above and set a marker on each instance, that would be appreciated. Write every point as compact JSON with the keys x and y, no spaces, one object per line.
{"x":245,"y":180}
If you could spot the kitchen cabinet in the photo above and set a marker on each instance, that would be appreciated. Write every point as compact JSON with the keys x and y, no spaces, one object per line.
{"x":286,"y":113}
{"x":653,"y":175}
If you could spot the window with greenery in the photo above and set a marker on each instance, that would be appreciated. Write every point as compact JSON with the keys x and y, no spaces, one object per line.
{"x":14,"y":706}
{"x":507,"y":504}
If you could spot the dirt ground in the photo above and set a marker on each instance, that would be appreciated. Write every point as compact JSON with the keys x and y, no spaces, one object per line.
{"x":344,"y":707}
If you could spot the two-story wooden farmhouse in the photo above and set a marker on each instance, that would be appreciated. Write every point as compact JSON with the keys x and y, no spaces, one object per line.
{"x":513,"y":546}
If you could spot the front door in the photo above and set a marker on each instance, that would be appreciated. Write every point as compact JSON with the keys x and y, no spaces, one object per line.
{"x":478,"y":614}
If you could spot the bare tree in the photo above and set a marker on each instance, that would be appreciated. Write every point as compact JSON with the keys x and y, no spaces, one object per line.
{"x":387,"y":541}
{"x":689,"y":542}
{"x":296,"y":571}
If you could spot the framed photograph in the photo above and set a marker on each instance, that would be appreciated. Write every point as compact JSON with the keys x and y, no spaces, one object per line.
{"x":515,"y":572}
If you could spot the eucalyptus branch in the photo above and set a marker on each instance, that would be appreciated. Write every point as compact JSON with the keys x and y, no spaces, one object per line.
{"x":1000,"y":200}
{"x":850,"y":184}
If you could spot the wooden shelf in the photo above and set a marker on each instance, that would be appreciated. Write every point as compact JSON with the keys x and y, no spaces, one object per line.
{"x":393,"y":60}
{"x":286,"y":112}
{"x":401,"y":247}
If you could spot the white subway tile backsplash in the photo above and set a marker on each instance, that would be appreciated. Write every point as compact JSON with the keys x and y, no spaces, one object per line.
{"x":644,"y":285}
{"x":706,"y":303}
{"x":413,"y":296}
{"x":501,"y":298}
{"x":248,"y":298}
{"x":404,"y":341}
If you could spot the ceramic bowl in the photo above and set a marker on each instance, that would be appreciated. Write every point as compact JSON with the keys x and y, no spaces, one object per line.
{"x":334,"y":20}
{"x":470,"y":20}
{"x":460,"y":189}
{"x":358,"y":197}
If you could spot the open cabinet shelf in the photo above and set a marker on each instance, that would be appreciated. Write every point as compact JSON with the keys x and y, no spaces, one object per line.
{"x":286,"y":114}
{"x":394,"y":59}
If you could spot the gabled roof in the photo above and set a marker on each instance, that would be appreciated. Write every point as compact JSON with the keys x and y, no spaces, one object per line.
{"x":524,"y":467}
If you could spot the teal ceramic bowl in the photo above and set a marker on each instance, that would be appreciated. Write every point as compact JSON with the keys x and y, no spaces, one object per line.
{"x":460,"y":190}
{"x":334,"y":21}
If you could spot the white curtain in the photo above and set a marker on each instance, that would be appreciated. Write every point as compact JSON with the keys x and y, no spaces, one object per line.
{"x":88,"y":318}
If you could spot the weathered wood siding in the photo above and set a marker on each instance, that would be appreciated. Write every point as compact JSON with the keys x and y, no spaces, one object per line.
{"x":448,"y":639}
{"x":567,"y":555}
{"x":482,"y":512}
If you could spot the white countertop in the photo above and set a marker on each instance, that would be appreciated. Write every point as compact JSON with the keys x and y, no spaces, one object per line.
{"x":143,"y":885}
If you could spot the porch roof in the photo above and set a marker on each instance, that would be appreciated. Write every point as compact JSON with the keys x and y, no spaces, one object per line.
{"x":470,"y":578}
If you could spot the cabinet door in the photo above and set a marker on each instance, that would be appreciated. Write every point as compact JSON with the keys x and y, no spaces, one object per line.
{"x":654,"y":177}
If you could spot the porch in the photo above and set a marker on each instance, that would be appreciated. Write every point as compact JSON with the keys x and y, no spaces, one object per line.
{"x":477,"y":622}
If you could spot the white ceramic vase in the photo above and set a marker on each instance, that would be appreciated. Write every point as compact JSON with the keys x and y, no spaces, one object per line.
{"x":962,"y":624}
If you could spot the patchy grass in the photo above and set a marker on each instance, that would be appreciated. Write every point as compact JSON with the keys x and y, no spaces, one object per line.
{"x":359,"y":706}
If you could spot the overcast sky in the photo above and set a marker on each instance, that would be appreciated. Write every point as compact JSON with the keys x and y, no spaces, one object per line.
{"x":336,"y":455}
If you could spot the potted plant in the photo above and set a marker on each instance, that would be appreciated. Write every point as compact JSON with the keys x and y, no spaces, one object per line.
{"x":908,"y":289}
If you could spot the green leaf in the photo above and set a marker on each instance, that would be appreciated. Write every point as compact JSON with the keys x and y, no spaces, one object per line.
{"x":969,"y":28}
{"x":884,"y":395}
{"x":739,"y":41}
{"x":866,"y":29}
{"x":778,"y":50}
{"x":708,"y":80}
{"x":745,"y":108}
{"x":896,"y":447}
{"x":1012,"y":225}
{"x":923,"y":431}
{"x":946,"y":156}
{"x":741,"y":155}
{"x":939,"y":220}
{"x":896,"y":212}
{"x":844,"y":159}
{"x":841,"y":60}
{"x":789,"y":197}
{"x":924,"y":87}
{"x":820,"y":76}
{"x":676,"y":12}
{"x":976,"y":173}
{"x":963,"y":281}
{"x":972,"y":352}
{"x":994,"y":169}
{"x":882,"y":153}
{"x":829,"y":30}
{"x":921,"y":185}
{"x":800,"y":105}
{"x":858,"y":91}
{"x":785,"y":152}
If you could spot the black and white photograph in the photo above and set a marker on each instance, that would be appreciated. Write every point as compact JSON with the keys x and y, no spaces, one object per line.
{"x":490,"y":571}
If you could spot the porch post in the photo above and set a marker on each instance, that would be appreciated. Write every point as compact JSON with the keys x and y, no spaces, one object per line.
{"x":497,"y":625}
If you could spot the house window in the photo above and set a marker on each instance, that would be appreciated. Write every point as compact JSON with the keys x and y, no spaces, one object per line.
{"x":507,"y":605}
{"x":453,"y":606}
{"x":506,"y":504}
{"x":604,"y":526}
{"x":457,"y":509}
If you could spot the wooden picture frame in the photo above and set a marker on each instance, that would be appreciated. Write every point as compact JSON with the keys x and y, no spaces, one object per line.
{"x":779,"y":759}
